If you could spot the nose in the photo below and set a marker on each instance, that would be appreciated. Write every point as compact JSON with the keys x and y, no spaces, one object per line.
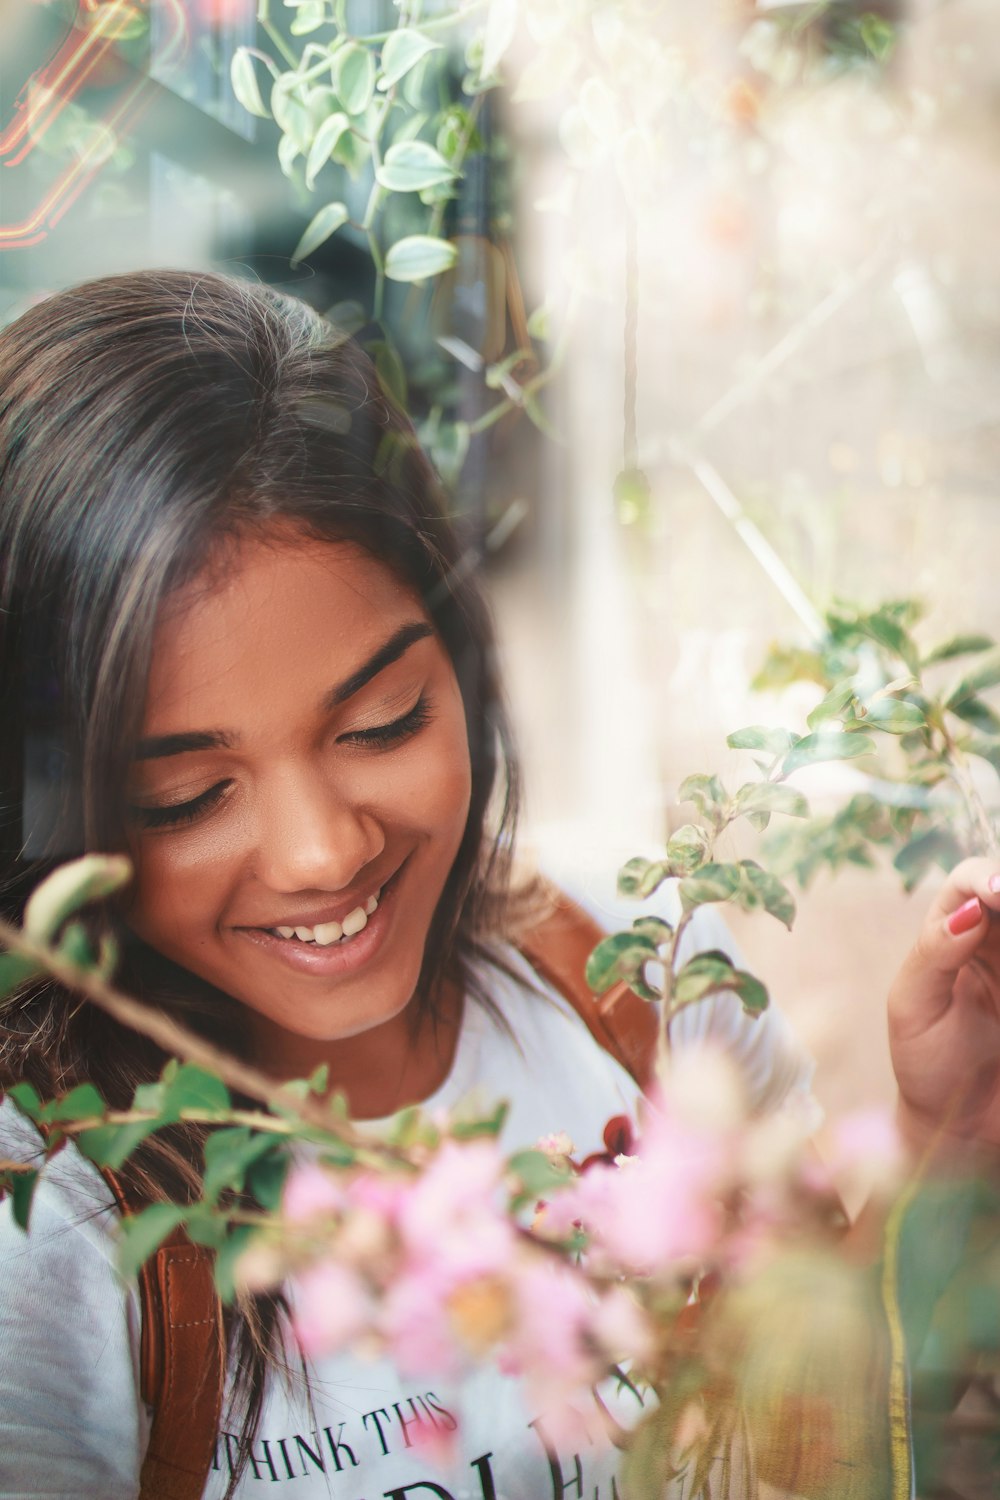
{"x":313,"y":836}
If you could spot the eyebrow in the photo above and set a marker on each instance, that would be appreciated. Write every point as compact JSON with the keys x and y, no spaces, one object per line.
{"x":158,"y":747}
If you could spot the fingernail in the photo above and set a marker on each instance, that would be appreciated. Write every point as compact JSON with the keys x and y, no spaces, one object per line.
{"x":995,"y":882}
{"x":966,"y":917}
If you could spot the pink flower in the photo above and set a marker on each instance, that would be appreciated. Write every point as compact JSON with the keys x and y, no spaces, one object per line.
{"x":311,"y":1191}
{"x":331,"y":1307}
{"x":455,"y":1196}
{"x":415,"y":1323}
{"x":651,"y":1211}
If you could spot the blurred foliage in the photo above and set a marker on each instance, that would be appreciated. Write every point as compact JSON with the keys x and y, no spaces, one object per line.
{"x":932,"y":798}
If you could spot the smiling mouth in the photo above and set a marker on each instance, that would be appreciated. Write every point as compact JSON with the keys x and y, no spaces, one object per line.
{"x":325,"y":934}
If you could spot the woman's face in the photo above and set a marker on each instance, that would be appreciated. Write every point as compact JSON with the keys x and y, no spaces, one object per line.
{"x":301,"y":785}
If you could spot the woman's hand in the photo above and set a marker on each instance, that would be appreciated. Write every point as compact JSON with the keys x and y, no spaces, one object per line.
{"x":944,"y":1015}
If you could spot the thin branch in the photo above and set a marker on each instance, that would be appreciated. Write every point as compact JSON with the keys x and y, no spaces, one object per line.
{"x":172,"y":1037}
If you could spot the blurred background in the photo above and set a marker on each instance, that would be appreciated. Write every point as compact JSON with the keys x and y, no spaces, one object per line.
{"x":744,"y":255}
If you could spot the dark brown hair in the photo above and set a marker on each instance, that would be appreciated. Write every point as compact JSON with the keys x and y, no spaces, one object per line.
{"x":142,"y":419}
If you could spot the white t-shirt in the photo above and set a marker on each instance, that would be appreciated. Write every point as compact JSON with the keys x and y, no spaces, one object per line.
{"x":72,"y":1421}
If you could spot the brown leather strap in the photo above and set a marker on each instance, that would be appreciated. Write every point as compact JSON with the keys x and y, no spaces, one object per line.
{"x":182,"y":1364}
{"x":558,"y":948}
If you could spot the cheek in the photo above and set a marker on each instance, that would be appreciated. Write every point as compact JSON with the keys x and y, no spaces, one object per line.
{"x":180,"y":884}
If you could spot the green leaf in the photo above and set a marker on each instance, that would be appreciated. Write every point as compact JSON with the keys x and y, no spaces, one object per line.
{"x":419,"y":256}
{"x":760,"y":737}
{"x":656,"y":929}
{"x":478,"y":1124}
{"x":985,"y":674}
{"x":639,"y":878}
{"x":895,"y":715}
{"x":26,"y":1100}
{"x":14,"y":970}
{"x":686,"y":849}
{"x":412,"y":165}
{"x":205,"y":1226}
{"x":958,"y":645}
{"x":354,"y":77}
{"x":266,"y":1178}
{"x":979,"y":714}
{"x":771,"y":797}
{"x":988,"y":750}
{"x":71,"y":886}
{"x":324,"y":142}
{"x":331,"y":217}
{"x":938,"y":846}
{"x":538,"y":1173}
{"x":787,"y":664}
{"x":702,"y":975}
{"x":713,"y":882}
{"x":391,"y":371}
{"x":245,"y":86}
{"x":193,"y":1088}
{"x":75,"y":946}
{"x":706,"y":792}
{"x":752,"y":994}
{"x":291,"y":111}
{"x":347,"y":316}
{"x":111,"y":1145}
{"x":227,"y":1258}
{"x":773,"y":895}
{"x":228,"y":1154}
{"x":878,"y":35}
{"x":707,"y":973}
{"x":81,"y":1103}
{"x":309,"y":16}
{"x":22,"y":1195}
{"x":825,"y":746}
{"x":142,"y":1234}
{"x":401,"y":52}
{"x":833,"y":705}
{"x":617,"y":954}
{"x":886,"y":630}
{"x":535,"y":412}
{"x":288,"y":154}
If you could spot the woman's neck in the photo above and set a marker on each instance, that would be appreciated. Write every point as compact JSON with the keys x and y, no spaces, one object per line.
{"x":401,"y":1062}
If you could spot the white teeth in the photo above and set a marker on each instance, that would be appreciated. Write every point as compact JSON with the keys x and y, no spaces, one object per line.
{"x":327,"y":933}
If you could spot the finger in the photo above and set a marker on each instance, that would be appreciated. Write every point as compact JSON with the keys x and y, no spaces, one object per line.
{"x":923,"y":989}
{"x":973,"y":877}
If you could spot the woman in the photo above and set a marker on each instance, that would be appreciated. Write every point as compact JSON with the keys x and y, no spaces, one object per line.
{"x":241,"y":641}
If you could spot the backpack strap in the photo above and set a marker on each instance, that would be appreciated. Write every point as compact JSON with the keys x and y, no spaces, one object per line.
{"x":182,"y":1363}
{"x":557,"y":948}
{"x":182,"y":1358}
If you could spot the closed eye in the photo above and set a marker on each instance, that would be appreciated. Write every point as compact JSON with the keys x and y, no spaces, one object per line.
{"x":383,"y":735}
{"x":176,"y":813}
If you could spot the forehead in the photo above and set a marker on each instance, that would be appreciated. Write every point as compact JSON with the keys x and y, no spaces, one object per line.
{"x":269,"y":621}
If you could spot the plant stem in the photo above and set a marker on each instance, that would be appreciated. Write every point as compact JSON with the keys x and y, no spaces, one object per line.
{"x":175,"y":1039}
{"x":439,"y":23}
{"x":273,"y":34}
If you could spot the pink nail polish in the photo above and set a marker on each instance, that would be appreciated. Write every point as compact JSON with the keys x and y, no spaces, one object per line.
{"x":995,"y":882}
{"x":966,"y":917}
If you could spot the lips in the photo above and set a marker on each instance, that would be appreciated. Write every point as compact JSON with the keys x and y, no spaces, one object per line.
{"x":338,"y":955}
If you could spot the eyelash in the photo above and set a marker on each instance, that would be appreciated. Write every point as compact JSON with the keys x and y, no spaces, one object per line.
{"x":380,"y":738}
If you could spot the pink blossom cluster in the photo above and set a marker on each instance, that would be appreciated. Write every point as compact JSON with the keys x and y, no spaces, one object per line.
{"x":431,"y":1268}
{"x":429,"y":1263}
